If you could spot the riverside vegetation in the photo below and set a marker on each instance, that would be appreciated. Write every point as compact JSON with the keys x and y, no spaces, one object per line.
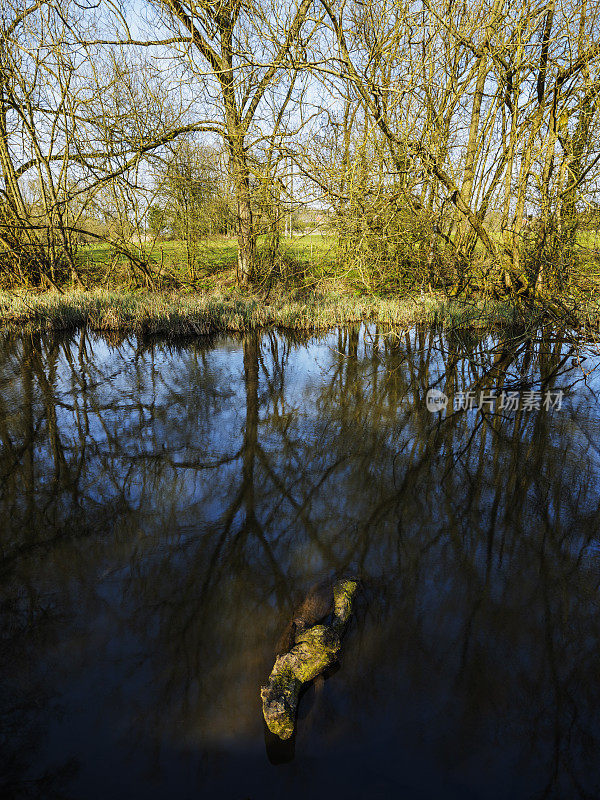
{"x":172,"y":149}
{"x":319,"y":295}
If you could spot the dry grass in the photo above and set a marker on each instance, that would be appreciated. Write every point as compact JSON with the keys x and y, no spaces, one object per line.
{"x":210,"y":312}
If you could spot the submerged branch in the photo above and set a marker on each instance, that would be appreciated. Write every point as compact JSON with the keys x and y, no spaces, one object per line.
{"x":316,"y":649}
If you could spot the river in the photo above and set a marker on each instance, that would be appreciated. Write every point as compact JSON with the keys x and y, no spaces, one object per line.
{"x":163,"y":506}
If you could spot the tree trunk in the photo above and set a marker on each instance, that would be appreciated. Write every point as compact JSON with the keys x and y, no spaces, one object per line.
{"x":12,"y":190}
{"x":246,"y":241}
{"x":246,"y":235}
{"x":528,"y":153}
{"x":472,"y":148}
{"x":316,"y":649}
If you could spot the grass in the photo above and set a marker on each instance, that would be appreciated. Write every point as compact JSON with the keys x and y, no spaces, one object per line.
{"x":210,"y":312}
{"x":172,"y":266}
{"x":215,"y":254}
{"x":214,"y":302}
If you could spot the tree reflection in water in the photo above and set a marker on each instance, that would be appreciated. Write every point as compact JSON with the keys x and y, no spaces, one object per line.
{"x":163,"y":506}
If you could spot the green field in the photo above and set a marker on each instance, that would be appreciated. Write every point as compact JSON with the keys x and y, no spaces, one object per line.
{"x":215,"y":260}
{"x":167,"y":289}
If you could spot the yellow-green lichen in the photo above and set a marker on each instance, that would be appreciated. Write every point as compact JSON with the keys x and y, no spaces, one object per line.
{"x":315,"y":650}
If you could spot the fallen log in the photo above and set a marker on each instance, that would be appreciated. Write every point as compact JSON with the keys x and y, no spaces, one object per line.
{"x":314,"y":650}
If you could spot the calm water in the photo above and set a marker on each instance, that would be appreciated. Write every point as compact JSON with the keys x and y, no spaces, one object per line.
{"x":162,"y":508}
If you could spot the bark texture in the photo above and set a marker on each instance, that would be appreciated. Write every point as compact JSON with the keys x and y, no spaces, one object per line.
{"x":314,"y":650}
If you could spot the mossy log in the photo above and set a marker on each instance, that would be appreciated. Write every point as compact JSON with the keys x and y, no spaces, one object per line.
{"x":314,"y":650}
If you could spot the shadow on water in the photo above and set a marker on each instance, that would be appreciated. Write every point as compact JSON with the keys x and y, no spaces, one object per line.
{"x":279,"y":751}
{"x":163,"y":507}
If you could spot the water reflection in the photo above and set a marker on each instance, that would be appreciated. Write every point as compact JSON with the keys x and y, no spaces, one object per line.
{"x":163,"y":506}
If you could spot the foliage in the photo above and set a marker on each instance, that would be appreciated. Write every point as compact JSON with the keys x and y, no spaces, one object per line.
{"x":456,"y":148}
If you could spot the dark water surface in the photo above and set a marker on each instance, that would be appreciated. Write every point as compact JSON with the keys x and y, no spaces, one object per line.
{"x":162,"y":508}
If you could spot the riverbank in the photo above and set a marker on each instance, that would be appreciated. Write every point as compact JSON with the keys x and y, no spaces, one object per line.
{"x":174,"y":314}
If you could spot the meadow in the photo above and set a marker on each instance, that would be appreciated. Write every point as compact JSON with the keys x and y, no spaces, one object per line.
{"x":167,"y":288}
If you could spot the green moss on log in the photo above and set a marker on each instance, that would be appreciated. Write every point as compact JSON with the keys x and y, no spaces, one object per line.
{"x":315,"y":649}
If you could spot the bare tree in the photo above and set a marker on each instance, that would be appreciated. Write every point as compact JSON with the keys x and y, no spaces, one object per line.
{"x":470,"y":100}
{"x":242,"y":57}
{"x":75,"y":117}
